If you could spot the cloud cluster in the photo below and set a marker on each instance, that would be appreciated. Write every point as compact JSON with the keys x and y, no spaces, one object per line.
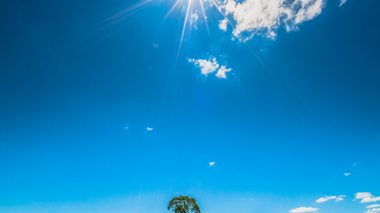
{"x":366,"y":197}
{"x":327,"y":198}
{"x":265,"y":16}
{"x":303,"y":209}
{"x":210,"y":66}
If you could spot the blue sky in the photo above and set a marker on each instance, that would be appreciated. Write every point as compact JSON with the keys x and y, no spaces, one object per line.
{"x":118,"y":106}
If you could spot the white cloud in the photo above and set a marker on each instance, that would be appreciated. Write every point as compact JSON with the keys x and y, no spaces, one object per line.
{"x":370,"y":199}
{"x":211,"y":163}
{"x":361,"y":195}
{"x":303,"y":209}
{"x":266,"y":16}
{"x":347,"y":174}
{"x":373,"y":210}
{"x":373,"y":206}
{"x":327,"y":198}
{"x":126,"y":127}
{"x":223,"y":24}
{"x":210,"y":66}
{"x":366,"y":197}
{"x":149,"y":129}
{"x":206,"y":66}
{"x":342,"y":2}
{"x":222,"y":72}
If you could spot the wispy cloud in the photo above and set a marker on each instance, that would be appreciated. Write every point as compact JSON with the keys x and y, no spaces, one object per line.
{"x":327,"y":198}
{"x":303,"y":209}
{"x":210,"y":66}
{"x":211,"y":163}
{"x":193,"y":19}
{"x":340,"y":198}
{"x":366,"y":197}
{"x":347,"y":174}
{"x":342,"y":2}
{"x":373,"y":210}
{"x":149,"y":129}
{"x":265,"y":17}
{"x":373,"y":206}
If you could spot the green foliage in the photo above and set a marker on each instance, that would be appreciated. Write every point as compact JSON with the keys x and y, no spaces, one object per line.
{"x":184,"y":204}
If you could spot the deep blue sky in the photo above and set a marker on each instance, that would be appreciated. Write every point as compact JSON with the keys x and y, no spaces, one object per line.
{"x":72,"y":79}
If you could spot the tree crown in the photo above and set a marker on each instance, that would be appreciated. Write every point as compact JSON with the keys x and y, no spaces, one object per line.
{"x":184,"y":204}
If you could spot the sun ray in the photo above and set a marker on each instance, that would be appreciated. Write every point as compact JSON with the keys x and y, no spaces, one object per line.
{"x":171,"y":10}
{"x":184,"y":28}
{"x":205,"y":17}
{"x":221,"y":12}
{"x":127,"y":10}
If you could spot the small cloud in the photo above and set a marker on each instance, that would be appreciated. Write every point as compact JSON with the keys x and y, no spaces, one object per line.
{"x":126,"y":127}
{"x":223,"y":24}
{"x":340,"y":198}
{"x":210,"y":66}
{"x":342,"y":2}
{"x":303,"y":209}
{"x":149,"y":129}
{"x":373,"y":206}
{"x":366,"y":197}
{"x":211,"y":163}
{"x":347,"y":174}
{"x":222,"y":72}
{"x":207,"y":66}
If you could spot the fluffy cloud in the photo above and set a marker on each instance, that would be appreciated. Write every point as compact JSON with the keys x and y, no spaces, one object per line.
{"x":342,"y":2}
{"x":149,"y":129}
{"x":373,"y":206}
{"x":327,"y":198}
{"x":211,"y":163}
{"x":265,"y":16}
{"x":223,"y":24}
{"x":303,"y":209}
{"x":366,"y":197}
{"x":210,"y":66}
{"x":373,"y":210}
{"x":347,"y":174}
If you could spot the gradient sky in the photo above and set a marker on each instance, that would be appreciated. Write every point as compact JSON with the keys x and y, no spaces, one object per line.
{"x":101,"y":112}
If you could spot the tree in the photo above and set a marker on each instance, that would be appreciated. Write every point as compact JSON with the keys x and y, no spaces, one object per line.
{"x":184,"y":204}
